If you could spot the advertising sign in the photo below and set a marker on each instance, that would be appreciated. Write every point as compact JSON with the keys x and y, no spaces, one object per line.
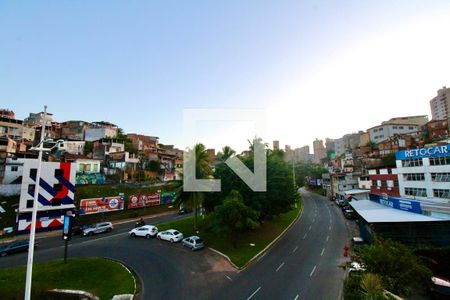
{"x":101,"y":205}
{"x":398,"y":203}
{"x":168,"y":197}
{"x":146,"y":200}
{"x":436,"y":151}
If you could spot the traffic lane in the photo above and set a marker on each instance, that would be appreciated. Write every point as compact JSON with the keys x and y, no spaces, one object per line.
{"x":262,"y":270}
{"x":166,"y":270}
{"x":57,"y":241}
{"x":330,"y":274}
{"x":300,"y":268}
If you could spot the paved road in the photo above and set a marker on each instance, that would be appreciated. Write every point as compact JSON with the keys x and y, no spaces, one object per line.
{"x":301,"y":265}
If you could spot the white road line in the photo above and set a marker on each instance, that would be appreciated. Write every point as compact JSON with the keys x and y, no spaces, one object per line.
{"x":279,"y":267}
{"x":254,"y":293}
{"x":321,"y":253}
{"x":312,"y":272}
{"x":295,"y":249}
{"x":329,"y":227}
{"x":309,"y":227}
{"x":229,"y":278}
{"x":296,"y":297}
{"x":103,"y":238}
{"x":259,"y":258}
{"x":313,"y":220}
{"x":328,"y":237}
{"x":304,"y":236}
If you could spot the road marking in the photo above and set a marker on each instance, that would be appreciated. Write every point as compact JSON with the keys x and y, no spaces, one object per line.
{"x":304,"y":236}
{"x":229,"y":278}
{"x":309,"y":227}
{"x":323,"y":250}
{"x":329,"y":227}
{"x":313,"y":220}
{"x":254,"y":293}
{"x":259,"y":258}
{"x":312,"y":272}
{"x":296,"y":297}
{"x":295,"y":249}
{"x":103,"y":238}
{"x":328,"y":237}
{"x":279,"y":267}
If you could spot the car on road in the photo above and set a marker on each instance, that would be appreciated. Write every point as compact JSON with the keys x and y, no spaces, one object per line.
{"x":14,"y":247}
{"x":98,"y":228}
{"x":349,"y":214}
{"x":170,"y":235}
{"x":146,"y":231}
{"x":194,"y":242}
{"x":183,"y":211}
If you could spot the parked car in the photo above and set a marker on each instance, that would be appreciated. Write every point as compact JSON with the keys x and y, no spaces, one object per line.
{"x":194,"y":242}
{"x":98,"y":228}
{"x":170,"y":235}
{"x":357,"y":267}
{"x":14,"y":247}
{"x":356,"y":240}
{"x":147,"y":231}
{"x":349,"y":214}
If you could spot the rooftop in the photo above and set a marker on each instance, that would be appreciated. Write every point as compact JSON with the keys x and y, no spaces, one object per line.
{"x":373,"y":212}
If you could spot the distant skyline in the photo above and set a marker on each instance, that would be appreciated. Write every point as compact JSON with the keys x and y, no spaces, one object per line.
{"x":319,"y":69}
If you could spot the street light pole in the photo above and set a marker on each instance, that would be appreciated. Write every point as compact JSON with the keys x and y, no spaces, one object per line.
{"x":34,"y":214}
{"x":293,"y":178}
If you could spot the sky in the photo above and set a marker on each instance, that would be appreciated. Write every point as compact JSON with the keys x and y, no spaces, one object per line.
{"x":315,"y":68}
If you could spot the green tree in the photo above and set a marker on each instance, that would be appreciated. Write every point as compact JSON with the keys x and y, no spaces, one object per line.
{"x":233,"y":217}
{"x":401,"y":270}
{"x":372,"y":286}
{"x":226,"y":153}
{"x":153,"y":165}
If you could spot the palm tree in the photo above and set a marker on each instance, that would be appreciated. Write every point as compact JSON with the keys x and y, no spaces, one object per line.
{"x":372,"y":286}
{"x":226,"y":153}
{"x":202,"y":171}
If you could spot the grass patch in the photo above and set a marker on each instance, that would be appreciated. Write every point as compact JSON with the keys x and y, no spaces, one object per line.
{"x":243,"y":252}
{"x":101,"y":277}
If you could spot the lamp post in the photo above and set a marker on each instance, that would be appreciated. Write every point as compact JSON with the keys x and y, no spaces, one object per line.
{"x":34,"y":213}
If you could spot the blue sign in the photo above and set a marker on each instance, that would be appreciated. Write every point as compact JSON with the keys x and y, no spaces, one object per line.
{"x":398,"y":203}
{"x":435,"y":151}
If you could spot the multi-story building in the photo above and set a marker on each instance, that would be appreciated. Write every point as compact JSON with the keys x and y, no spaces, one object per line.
{"x":424,"y":173}
{"x":100,"y":130}
{"x":56,"y":194}
{"x":319,"y":150}
{"x":384,"y":181}
{"x":397,"y":126}
{"x":276,"y":145}
{"x":440,"y":105}
{"x":395,"y":143}
{"x":102,"y":148}
{"x":144,"y":143}
{"x":437,"y":129}
{"x":16,"y":129}
{"x":73,"y":130}
{"x":335,"y":183}
{"x":35,"y":119}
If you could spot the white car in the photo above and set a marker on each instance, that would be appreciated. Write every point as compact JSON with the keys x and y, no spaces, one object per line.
{"x":147,"y":231}
{"x":97,"y":228}
{"x":170,"y":235}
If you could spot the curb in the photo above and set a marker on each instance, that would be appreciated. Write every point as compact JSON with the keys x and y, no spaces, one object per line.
{"x":138,"y":287}
{"x":265,"y":248}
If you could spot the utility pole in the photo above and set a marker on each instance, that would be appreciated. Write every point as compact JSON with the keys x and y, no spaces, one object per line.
{"x":34,"y":213}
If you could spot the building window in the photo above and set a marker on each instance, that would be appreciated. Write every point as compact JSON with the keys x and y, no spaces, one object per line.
{"x":14,"y":168}
{"x":441,"y":193}
{"x":401,"y":127}
{"x":394,"y":127}
{"x":390,"y":183}
{"x":416,"y":192}
{"x":440,"y":177}
{"x":410,"y":128}
{"x":414,"y":177}
{"x":374,"y":183}
{"x":95,"y":168}
{"x":30,"y":203}
{"x":439,"y":161}
{"x":416,"y":162}
{"x":31,"y":188}
{"x":33,"y":173}
{"x":389,"y":171}
{"x":59,"y":173}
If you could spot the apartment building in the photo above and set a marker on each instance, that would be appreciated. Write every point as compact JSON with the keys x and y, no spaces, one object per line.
{"x":100,"y":130}
{"x":73,"y":130}
{"x":384,"y":181}
{"x":16,"y":129}
{"x":319,"y":150}
{"x":440,"y":105}
{"x":397,"y":126}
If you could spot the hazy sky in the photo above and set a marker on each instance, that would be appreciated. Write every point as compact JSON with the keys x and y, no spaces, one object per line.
{"x":318,"y":68}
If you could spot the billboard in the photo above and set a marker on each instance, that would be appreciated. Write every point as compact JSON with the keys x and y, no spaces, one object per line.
{"x":101,"y":205}
{"x":435,"y":151}
{"x":145,"y":200}
{"x":168,"y":197}
{"x":398,"y":203}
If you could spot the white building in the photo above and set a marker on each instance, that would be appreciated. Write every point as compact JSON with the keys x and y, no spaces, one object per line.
{"x":440,"y":105}
{"x":424,"y":174}
{"x":396,"y":126}
{"x":100,"y":130}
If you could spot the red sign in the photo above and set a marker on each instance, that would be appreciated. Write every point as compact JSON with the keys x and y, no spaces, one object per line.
{"x":100,"y":205}
{"x":138,"y":201}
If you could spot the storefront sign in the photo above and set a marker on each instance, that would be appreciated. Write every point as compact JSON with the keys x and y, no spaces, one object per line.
{"x":398,"y":203}
{"x":435,"y":151}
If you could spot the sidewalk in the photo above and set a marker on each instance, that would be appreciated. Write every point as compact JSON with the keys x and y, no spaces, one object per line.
{"x":53,"y":233}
